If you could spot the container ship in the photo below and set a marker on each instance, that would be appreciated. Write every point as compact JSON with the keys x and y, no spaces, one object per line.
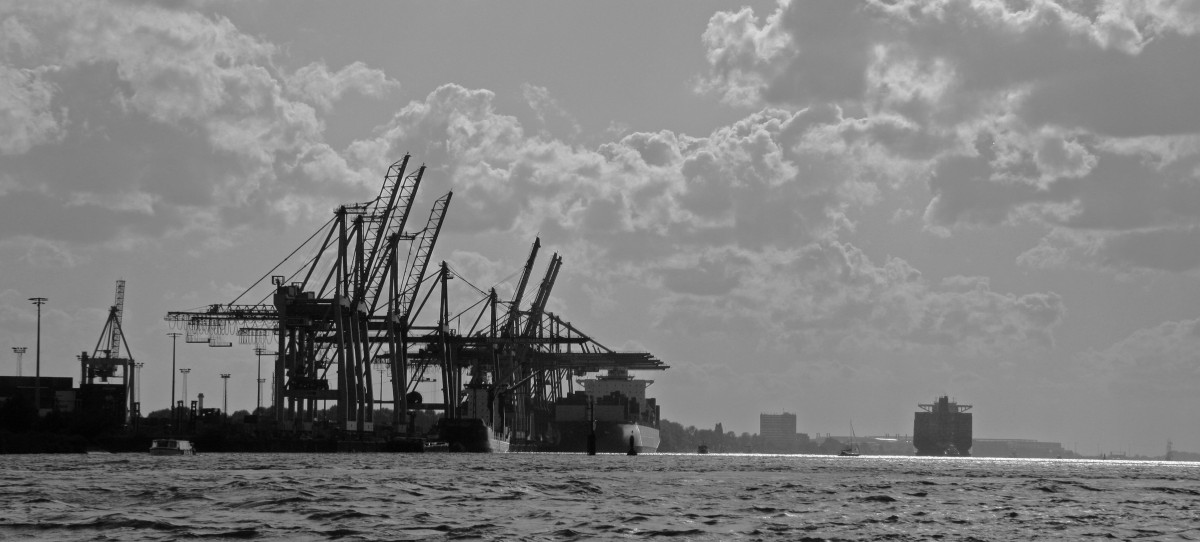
{"x":614,"y":405}
{"x":473,"y":430}
{"x":943,"y":428}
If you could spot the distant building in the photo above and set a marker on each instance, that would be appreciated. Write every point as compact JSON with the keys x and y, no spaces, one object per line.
{"x":778,"y":432}
{"x":997,"y":447}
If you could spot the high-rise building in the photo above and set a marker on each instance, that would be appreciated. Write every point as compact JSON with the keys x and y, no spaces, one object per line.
{"x":778,"y":432}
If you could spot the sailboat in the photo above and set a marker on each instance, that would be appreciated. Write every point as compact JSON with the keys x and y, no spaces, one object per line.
{"x":852,"y":449}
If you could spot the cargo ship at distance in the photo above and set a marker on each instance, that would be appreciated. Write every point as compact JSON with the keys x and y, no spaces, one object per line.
{"x":615,"y":405}
{"x":943,"y":428}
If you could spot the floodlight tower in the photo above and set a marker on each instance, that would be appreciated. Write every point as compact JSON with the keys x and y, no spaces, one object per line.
{"x":37,"y":378}
{"x":20,"y":352}
{"x":225,"y":404}
{"x":173,"y":335}
{"x":185,"y":372}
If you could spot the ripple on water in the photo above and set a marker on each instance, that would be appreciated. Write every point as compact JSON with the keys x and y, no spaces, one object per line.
{"x":577,"y":497}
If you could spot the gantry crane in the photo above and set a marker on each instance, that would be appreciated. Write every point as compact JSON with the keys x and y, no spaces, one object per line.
{"x":105,"y":362}
{"x":519,"y":366}
{"x":345,"y":322}
{"x":358,"y":302}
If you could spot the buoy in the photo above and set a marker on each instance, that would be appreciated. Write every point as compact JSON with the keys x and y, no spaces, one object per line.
{"x":632,"y":448}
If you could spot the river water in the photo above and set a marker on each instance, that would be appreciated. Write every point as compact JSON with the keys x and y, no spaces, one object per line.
{"x":579,"y":497}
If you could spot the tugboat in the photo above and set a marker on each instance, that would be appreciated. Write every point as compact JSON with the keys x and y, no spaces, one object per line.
{"x":169,"y":446}
{"x":614,"y":408}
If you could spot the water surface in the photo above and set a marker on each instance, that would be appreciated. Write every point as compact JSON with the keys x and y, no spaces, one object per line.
{"x":578,"y":497}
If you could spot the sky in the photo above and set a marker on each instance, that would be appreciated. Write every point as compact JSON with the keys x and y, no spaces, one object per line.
{"x":834,"y":208}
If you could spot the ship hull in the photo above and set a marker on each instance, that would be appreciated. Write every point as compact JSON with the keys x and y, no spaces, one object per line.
{"x":611,"y":437}
{"x":470,"y":435}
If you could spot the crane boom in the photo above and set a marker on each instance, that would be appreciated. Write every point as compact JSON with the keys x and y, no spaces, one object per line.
{"x":543,"y":296}
{"x":391,"y":221}
{"x":416,"y":266}
{"x":514,"y":307}
{"x":118,"y":310}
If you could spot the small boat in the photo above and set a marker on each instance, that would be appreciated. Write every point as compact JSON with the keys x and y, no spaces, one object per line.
{"x":168,"y":446}
{"x":852,"y":449}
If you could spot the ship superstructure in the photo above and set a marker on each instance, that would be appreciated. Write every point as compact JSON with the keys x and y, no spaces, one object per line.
{"x":943,"y":428}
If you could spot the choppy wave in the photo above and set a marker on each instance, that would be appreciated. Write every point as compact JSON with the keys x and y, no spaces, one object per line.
{"x":579,"y":497}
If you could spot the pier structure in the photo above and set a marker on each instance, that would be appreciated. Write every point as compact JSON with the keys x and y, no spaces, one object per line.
{"x":364,"y":301}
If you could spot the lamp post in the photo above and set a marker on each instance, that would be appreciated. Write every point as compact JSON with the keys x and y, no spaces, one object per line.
{"x":37,"y":378}
{"x":20,"y":352}
{"x":185,"y":395}
{"x":225,"y":404}
{"x":173,"y":335}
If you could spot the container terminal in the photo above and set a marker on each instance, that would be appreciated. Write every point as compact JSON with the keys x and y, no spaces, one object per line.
{"x":372,"y":302}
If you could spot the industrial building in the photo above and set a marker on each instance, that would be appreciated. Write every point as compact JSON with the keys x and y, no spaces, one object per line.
{"x":58,"y":392}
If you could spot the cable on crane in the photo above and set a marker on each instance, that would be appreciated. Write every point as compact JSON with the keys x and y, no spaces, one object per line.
{"x":285,"y":259}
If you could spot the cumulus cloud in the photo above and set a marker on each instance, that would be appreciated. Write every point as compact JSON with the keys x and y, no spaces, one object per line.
{"x":1076,"y":115}
{"x":759,"y":181}
{"x":830,"y":299}
{"x":26,"y":117}
{"x":170,"y":114}
{"x":1149,"y":362}
{"x":316,"y":84}
{"x":552,"y":116}
{"x":1172,"y":250}
{"x":739,"y":227}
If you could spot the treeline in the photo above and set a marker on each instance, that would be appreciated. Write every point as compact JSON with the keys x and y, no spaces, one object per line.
{"x":679,"y":439}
